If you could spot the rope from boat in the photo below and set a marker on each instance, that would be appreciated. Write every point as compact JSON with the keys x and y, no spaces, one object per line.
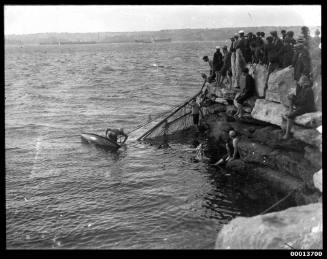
{"x":274,"y":205}
{"x":155,"y":118}
{"x":173,"y":112}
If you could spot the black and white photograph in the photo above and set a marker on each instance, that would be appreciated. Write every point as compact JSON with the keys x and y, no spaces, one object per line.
{"x":171,"y":127}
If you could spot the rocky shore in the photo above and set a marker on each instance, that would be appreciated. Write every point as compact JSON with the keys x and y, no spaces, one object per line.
{"x":292,"y":166}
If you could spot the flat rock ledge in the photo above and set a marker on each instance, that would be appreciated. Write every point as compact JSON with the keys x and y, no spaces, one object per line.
{"x":297,"y":227}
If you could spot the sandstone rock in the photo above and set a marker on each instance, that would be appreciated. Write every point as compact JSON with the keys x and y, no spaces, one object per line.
{"x":304,"y":198}
{"x":268,"y":111}
{"x":272,"y":137}
{"x":310,"y":120}
{"x":280,"y":84}
{"x":313,"y":155}
{"x":252,"y":152}
{"x":282,"y":182}
{"x":298,"y":227}
{"x":317,"y":180}
{"x":309,"y":136}
{"x":291,"y":163}
{"x":259,"y":74}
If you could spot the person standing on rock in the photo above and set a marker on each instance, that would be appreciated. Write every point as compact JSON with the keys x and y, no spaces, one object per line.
{"x":233,"y":59}
{"x":217,"y":64}
{"x":301,"y":60}
{"x":225,"y":71}
{"x":240,"y":62}
{"x":307,"y":38}
{"x":303,"y":102}
{"x":259,"y":49}
{"x":287,"y":51}
{"x":211,"y":73}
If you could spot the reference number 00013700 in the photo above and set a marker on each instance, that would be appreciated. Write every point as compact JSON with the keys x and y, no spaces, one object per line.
{"x":306,"y":253}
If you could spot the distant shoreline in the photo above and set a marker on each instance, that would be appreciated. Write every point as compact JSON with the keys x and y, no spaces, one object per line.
{"x":146,"y":36}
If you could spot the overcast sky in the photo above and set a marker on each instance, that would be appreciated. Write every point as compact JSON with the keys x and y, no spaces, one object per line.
{"x":106,"y":18}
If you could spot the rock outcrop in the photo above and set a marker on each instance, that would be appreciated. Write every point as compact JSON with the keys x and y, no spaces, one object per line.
{"x":284,"y":161}
{"x":313,"y":155}
{"x":268,"y":111}
{"x":309,"y":120}
{"x":296,"y":227}
{"x":280,"y":84}
{"x":317,"y":180}
{"x":309,"y":136}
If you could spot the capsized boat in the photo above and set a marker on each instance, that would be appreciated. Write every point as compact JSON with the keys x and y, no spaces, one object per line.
{"x":99,"y":140}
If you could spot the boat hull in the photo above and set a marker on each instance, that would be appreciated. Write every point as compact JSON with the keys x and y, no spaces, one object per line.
{"x":99,"y":140}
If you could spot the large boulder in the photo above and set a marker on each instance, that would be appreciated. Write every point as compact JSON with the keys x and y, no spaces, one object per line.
{"x":309,"y":136}
{"x":317,"y":180}
{"x":309,"y":120}
{"x":297,"y":227}
{"x":259,"y":74}
{"x":280,"y":84}
{"x":268,"y":111}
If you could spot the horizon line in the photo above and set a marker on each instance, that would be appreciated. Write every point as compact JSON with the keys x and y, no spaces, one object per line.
{"x":14,"y":34}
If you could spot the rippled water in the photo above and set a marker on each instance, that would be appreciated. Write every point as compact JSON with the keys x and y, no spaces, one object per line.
{"x":61,"y":193}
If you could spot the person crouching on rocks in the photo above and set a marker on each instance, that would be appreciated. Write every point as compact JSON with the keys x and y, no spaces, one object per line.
{"x":231,"y":147}
{"x":303,"y":102}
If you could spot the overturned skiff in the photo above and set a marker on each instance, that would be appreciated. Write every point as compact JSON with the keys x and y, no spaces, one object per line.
{"x":99,"y":140}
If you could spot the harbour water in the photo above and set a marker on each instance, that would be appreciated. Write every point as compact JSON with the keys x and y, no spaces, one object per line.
{"x":62,"y":193}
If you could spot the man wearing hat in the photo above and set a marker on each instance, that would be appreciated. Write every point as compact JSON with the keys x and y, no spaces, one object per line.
{"x":259,"y":49}
{"x":287,"y":51}
{"x":217,"y":63}
{"x":233,"y":58}
{"x":283,"y":32}
{"x":303,"y":102}
{"x":301,"y":59}
{"x":307,"y":38}
{"x":277,"y":48}
{"x":316,"y":40}
{"x":240,"y":61}
{"x":225,"y":71}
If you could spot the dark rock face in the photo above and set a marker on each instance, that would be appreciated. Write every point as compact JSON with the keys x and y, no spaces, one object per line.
{"x":262,"y":147}
{"x":298,"y":227}
{"x":290,"y":162}
{"x":271,"y":136}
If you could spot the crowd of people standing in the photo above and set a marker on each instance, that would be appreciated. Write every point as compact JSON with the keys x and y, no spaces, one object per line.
{"x":273,"y":51}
